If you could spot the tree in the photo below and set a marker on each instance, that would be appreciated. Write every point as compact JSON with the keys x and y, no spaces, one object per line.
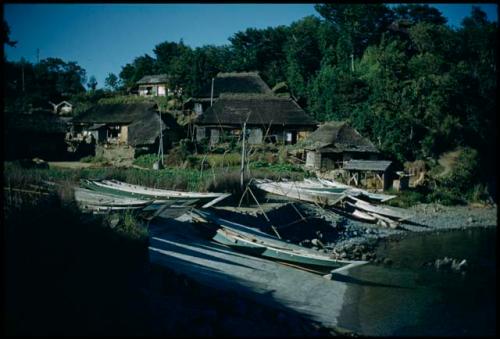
{"x":92,"y":84}
{"x":6,"y":35}
{"x":360,"y":25}
{"x":416,"y":13}
{"x":141,"y":66}
{"x":112,"y":82}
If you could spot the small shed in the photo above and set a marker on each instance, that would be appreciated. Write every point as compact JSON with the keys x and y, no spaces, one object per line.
{"x":368,"y":173}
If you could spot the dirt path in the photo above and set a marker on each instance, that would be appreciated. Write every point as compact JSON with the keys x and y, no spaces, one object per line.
{"x":71,"y":164}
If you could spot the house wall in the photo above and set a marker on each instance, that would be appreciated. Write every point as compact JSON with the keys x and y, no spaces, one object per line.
{"x":255,"y":136}
{"x":156,"y":90}
{"x":201,"y":133}
{"x":124,"y":134}
{"x":214,"y":136}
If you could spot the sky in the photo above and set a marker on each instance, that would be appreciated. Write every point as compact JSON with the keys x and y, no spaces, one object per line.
{"x":104,"y":37}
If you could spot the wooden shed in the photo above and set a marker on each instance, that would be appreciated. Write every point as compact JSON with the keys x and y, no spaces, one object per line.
{"x":369,"y":173}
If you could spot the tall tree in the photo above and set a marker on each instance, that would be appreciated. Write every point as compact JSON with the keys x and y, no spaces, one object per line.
{"x":112,"y":82}
{"x":92,"y":84}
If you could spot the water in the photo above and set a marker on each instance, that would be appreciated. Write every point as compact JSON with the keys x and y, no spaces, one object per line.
{"x":409,"y":298}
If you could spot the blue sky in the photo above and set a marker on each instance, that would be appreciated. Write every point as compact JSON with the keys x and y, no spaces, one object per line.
{"x":104,"y":37}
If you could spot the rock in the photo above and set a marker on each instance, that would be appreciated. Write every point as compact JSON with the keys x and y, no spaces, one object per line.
{"x":114,"y":222}
{"x":317,"y":243}
{"x":387,"y":261}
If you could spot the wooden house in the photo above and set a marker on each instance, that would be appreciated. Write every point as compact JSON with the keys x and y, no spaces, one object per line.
{"x":155,"y":85}
{"x":126,"y":129}
{"x":268,"y":119}
{"x":335,"y":143}
{"x":233,"y":82}
{"x":38,"y":134}
{"x":369,"y":173}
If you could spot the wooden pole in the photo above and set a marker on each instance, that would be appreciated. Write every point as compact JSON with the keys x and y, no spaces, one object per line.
{"x":242,"y":169}
{"x":212,"y":93}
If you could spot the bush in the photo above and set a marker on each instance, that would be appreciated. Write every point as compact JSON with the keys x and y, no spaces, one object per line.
{"x":146,"y":160}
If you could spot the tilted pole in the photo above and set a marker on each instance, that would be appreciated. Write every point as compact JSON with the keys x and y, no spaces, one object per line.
{"x":242,"y":169}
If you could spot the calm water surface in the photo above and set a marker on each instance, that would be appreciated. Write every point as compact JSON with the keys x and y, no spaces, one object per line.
{"x":409,"y":298}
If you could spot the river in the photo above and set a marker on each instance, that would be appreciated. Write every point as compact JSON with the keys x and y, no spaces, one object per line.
{"x":409,"y":298}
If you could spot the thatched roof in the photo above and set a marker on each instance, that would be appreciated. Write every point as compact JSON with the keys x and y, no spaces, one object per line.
{"x":120,"y":113}
{"x":367,"y":165}
{"x":154,"y":79}
{"x":338,"y":136}
{"x":243,"y":82}
{"x":142,"y":119}
{"x":262,"y":109}
{"x":38,"y":122}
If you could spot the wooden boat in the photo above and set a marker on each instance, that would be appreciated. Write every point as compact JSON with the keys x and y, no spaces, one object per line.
{"x":292,"y":191}
{"x":255,"y":242}
{"x":353,"y":191}
{"x":89,"y":200}
{"x":378,"y":210}
{"x":142,"y":192}
{"x":86,"y":196}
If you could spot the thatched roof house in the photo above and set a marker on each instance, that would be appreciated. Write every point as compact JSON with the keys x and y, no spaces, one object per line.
{"x":136,"y":125}
{"x":283,"y":117}
{"x":39,"y":134}
{"x":336,"y":142}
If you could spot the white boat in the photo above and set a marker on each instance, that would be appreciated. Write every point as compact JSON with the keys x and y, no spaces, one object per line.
{"x":86,"y":196}
{"x":290,"y":190}
{"x":353,"y":191}
{"x":142,"y":192}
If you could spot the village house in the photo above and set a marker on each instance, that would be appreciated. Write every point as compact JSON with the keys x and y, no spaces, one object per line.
{"x":335,"y":143}
{"x":38,"y":134}
{"x":156,"y":85}
{"x":242,"y":82}
{"x":336,"y":146}
{"x":268,"y":119}
{"x":124,"y":131}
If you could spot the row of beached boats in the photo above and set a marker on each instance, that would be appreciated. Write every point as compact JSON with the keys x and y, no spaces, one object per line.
{"x":104,"y":196}
{"x":346,"y":200}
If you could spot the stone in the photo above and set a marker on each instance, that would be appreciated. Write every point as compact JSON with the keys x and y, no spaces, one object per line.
{"x":114,"y":222}
{"x":387,"y":261}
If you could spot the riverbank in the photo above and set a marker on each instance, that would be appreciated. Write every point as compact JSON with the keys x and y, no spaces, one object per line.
{"x":361,"y":239}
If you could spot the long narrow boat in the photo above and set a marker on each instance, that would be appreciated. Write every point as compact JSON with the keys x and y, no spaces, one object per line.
{"x":378,"y":210}
{"x":89,"y":200}
{"x":251,"y":241}
{"x":294,"y":192}
{"x":352,"y":191}
{"x":142,"y":192}
{"x":87,"y":196}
